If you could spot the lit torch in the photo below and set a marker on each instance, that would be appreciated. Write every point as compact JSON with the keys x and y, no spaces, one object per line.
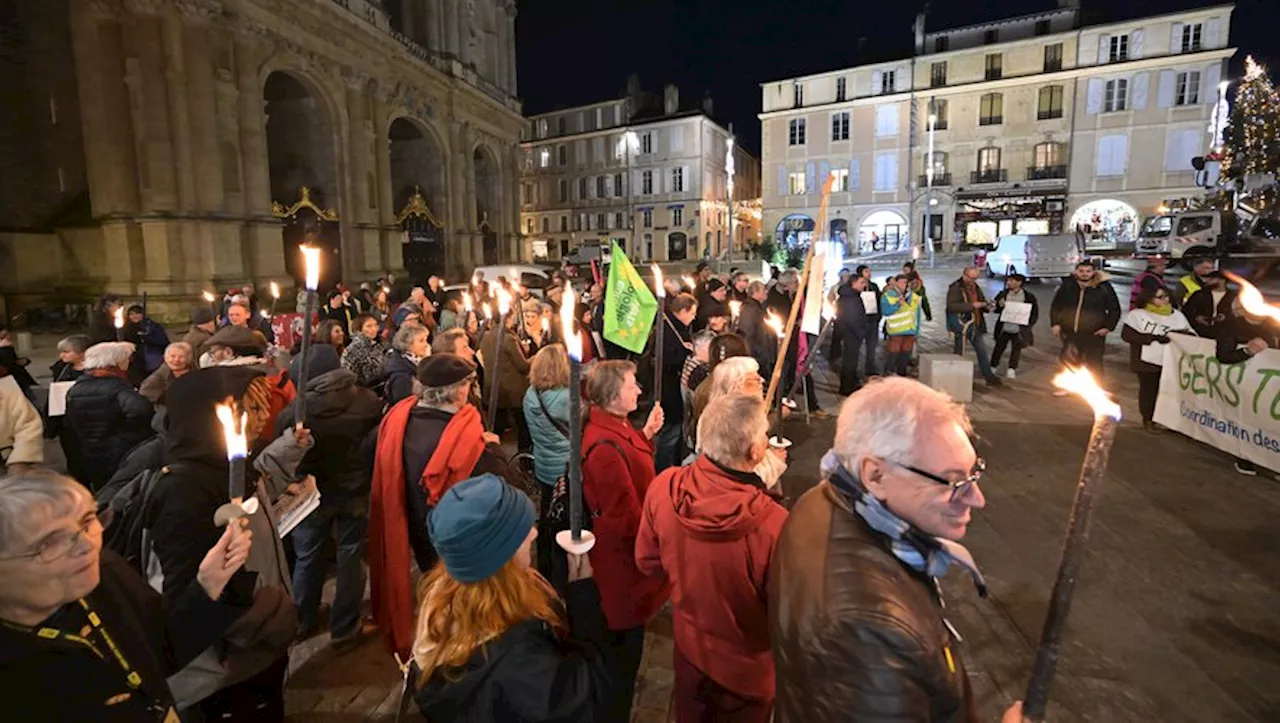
{"x":118,"y":321}
{"x":735,"y":308}
{"x":234,"y":421}
{"x":1106,"y":417}
{"x":689,"y":283}
{"x":275,"y":296}
{"x":658,"y":335}
{"x":311,"y":260}
{"x":209,"y":299}
{"x":1252,"y":301}
{"x":575,"y":539}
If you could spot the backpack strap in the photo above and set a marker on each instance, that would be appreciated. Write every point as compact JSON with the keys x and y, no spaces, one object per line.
{"x":563,"y":429}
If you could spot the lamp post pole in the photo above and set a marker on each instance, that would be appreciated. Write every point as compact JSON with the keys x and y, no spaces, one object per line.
{"x":729,"y":170}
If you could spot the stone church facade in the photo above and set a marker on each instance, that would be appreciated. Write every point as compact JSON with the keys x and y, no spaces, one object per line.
{"x":182,"y":133}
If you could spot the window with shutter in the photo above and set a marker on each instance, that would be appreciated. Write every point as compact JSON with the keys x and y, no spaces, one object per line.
{"x":1187,"y":88}
{"x":1212,"y":30}
{"x":1093,"y":97}
{"x":991,"y":109}
{"x":886,"y":178}
{"x":938,"y":109}
{"x":795,"y":184}
{"x":677,"y":140}
{"x":841,"y":84}
{"x":1136,"y":43}
{"x":1116,"y":96}
{"x":1050,"y":103}
{"x":810,"y":178}
{"x":1141,"y":88}
{"x":1118,"y":50}
{"x":840,"y":126}
{"x":1168,"y":85}
{"x":886,"y":121}
{"x":796,"y":132}
{"x":855,"y":174}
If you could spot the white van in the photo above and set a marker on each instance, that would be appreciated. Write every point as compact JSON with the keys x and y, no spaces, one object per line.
{"x":1034,"y":256}
{"x":534,"y":278}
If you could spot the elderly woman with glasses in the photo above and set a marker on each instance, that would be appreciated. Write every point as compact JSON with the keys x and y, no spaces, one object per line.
{"x":1151,"y":322}
{"x":852,"y":582}
{"x":82,"y":635}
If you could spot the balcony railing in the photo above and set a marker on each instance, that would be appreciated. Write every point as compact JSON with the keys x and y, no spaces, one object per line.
{"x":939,"y":179}
{"x":1042,"y":173}
{"x":993,"y":175}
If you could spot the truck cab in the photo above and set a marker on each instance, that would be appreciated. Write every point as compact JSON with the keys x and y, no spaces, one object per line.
{"x":1187,"y":234}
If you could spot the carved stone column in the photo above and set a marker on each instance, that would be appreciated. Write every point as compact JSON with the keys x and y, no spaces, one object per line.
{"x":452,"y":29}
{"x":510,"y":49}
{"x":199,"y":46}
{"x":359,"y":148}
{"x":173,"y":40}
{"x":498,"y":49}
{"x":107,"y":128}
{"x":434,"y":39}
{"x":253,"y":124}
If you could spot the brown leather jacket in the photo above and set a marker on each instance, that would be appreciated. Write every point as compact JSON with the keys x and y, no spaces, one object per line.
{"x":857,"y":635}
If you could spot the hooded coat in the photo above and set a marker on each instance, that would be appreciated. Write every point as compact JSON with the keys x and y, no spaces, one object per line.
{"x":711,"y":531}
{"x":400,"y":373}
{"x":108,"y":418}
{"x":340,"y":415}
{"x":1085,"y":310}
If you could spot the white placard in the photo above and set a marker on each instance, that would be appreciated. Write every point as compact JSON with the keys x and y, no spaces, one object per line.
{"x":58,"y":398}
{"x":869,"y":302}
{"x":811,"y":315}
{"x":1153,"y":353}
{"x":293,"y":508}
{"x":1016,"y":312}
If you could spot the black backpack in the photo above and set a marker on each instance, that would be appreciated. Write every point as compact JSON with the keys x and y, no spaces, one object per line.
{"x":128,"y":503}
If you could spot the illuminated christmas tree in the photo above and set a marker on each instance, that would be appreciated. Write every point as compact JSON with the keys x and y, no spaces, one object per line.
{"x":1251,"y":139}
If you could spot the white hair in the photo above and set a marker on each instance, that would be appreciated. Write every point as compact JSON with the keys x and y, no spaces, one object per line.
{"x":180,"y":345}
{"x":731,"y":425}
{"x":884,"y":419}
{"x":702,"y":340}
{"x":731,"y":374}
{"x":108,"y":355}
{"x":406,"y":335}
{"x":34,"y":495}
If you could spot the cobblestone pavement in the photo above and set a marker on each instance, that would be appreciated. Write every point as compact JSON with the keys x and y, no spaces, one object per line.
{"x":1174,"y":616}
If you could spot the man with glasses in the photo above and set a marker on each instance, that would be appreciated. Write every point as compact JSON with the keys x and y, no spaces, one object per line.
{"x":857,"y":623}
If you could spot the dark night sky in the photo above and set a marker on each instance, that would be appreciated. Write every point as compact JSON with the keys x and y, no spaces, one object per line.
{"x":573,"y":52}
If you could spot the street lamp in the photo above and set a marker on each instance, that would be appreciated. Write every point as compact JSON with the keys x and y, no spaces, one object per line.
{"x":928,"y":175}
{"x":630,"y":141}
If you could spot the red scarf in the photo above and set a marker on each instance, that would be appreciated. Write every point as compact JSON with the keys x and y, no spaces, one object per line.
{"x":456,"y":455}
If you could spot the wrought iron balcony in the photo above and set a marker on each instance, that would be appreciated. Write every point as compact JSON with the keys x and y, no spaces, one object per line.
{"x":1043,"y":173}
{"x":991,"y":175}
{"x":939,"y":179}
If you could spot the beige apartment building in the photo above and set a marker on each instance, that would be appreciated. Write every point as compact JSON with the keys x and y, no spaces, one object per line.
{"x":1035,"y":124}
{"x":642,"y":170}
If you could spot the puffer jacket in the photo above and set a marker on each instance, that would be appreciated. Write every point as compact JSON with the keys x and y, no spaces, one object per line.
{"x":365,"y":358}
{"x":857,"y":635}
{"x":400,"y":374}
{"x":1085,"y":310}
{"x":550,"y":445}
{"x":108,"y":418}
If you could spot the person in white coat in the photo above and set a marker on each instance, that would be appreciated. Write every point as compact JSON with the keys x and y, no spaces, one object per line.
{"x":21,"y":430}
{"x":1150,"y":322}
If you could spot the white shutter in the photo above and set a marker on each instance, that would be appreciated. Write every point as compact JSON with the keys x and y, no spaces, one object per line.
{"x":609,"y":190}
{"x":1120,"y":155}
{"x":1104,"y":49}
{"x":1172,"y":149}
{"x":782,"y":180}
{"x":901,"y":78}
{"x":1164,"y":95}
{"x":1209,"y":86}
{"x":810,"y":177}
{"x":1191,"y":147}
{"x":659,"y":180}
{"x":1093,"y":98}
{"x":685,"y":178}
{"x":855,"y":174}
{"x":1212,"y":29}
{"x":824,"y":170}
{"x":1141,"y":84}
{"x":677,"y":139}
{"x":877,"y":78}
{"x":1175,"y":39}
{"x":886,"y":121}
{"x":1101,"y":157}
{"x":1135,"y":43}
{"x":891,"y":163}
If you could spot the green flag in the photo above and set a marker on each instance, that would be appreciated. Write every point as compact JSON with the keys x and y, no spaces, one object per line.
{"x":629,"y":305}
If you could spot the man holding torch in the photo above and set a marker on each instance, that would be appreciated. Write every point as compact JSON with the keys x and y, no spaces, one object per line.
{"x":858,"y":629}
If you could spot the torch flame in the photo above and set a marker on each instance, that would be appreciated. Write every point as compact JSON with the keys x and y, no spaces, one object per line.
{"x":572,"y":342}
{"x":546,"y":325}
{"x":689,"y":282}
{"x":275,"y":290}
{"x":776,"y":324}
{"x":735,"y":308}
{"x":828,"y":309}
{"x":311,"y":258}
{"x":237,"y":444}
{"x":119,"y":317}
{"x":265,"y":314}
{"x":657,"y":282}
{"x":488,"y":311}
{"x":1080,"y":381}
{"x":466,"y":301}
{"x":208,"y":296}
{"x":504,"y":301}
{"x":1252,"y":301}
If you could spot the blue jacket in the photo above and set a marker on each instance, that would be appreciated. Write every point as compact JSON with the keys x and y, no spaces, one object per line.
{"x":550,"y":445}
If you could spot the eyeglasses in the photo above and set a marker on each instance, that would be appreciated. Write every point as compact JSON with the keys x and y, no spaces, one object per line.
{"x":58,"y":546}
{"x":1162,"y":296}
{"x":958,"y":487}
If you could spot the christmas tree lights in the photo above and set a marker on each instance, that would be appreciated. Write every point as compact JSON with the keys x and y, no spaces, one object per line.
{"x":1252,"y":135}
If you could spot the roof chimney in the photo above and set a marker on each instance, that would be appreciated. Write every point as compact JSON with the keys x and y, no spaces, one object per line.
{"x":707,"y":105}
{"x":670,"y":100}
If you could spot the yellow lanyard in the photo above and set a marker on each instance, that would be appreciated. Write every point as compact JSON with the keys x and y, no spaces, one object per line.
{"x":95,"y":625}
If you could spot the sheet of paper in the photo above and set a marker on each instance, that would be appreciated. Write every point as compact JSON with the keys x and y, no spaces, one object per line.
{"x":294,"y":508}
{"x":1153,"y":354}
{"x":58,"y":398}
{"x":869,"y":302}
{"x":1016,"y":312}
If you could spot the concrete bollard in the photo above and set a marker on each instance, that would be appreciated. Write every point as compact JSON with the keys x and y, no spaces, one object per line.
{"x":948,"y":373}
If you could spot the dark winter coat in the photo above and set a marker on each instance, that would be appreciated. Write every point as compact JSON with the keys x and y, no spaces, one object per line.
{"x":674,"y":352}
{"x":1203,"y":314}
{"x":1027,"y":298}
{"x":857,"y":635}
{"x":1085,"y":310}
{"x":761,"y":340}
{"x":151,"y":341}
{"x":960,"y":309}
{"x":108,"y":418}
{"x":852,"y":318}
{"x":1237,"y":330}
{"x":340,"y":415}
{"x":58,"y":680}
{"x":530,"y":674}
{"x":400,"y":373}
{"x":513,"y":370}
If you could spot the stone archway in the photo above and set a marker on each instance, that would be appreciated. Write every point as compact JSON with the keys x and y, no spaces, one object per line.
{"x":301,"y":154}
{"x":488,"y":209}
{"x":419,"y":196}
{"x":882,"y":230}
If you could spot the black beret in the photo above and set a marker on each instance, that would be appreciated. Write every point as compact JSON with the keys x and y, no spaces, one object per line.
{"x":443,"y":370}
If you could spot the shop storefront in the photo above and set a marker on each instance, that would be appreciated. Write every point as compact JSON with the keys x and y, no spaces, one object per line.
{"x":795,"y":232}
{"x":981,"y":221}
{"x":1106,"y":224}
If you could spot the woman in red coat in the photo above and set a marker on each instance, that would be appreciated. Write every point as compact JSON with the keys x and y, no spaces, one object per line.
{"x":617,"y":468}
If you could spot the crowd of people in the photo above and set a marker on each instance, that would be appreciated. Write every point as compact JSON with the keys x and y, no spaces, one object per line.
{"x":397,"y":410}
